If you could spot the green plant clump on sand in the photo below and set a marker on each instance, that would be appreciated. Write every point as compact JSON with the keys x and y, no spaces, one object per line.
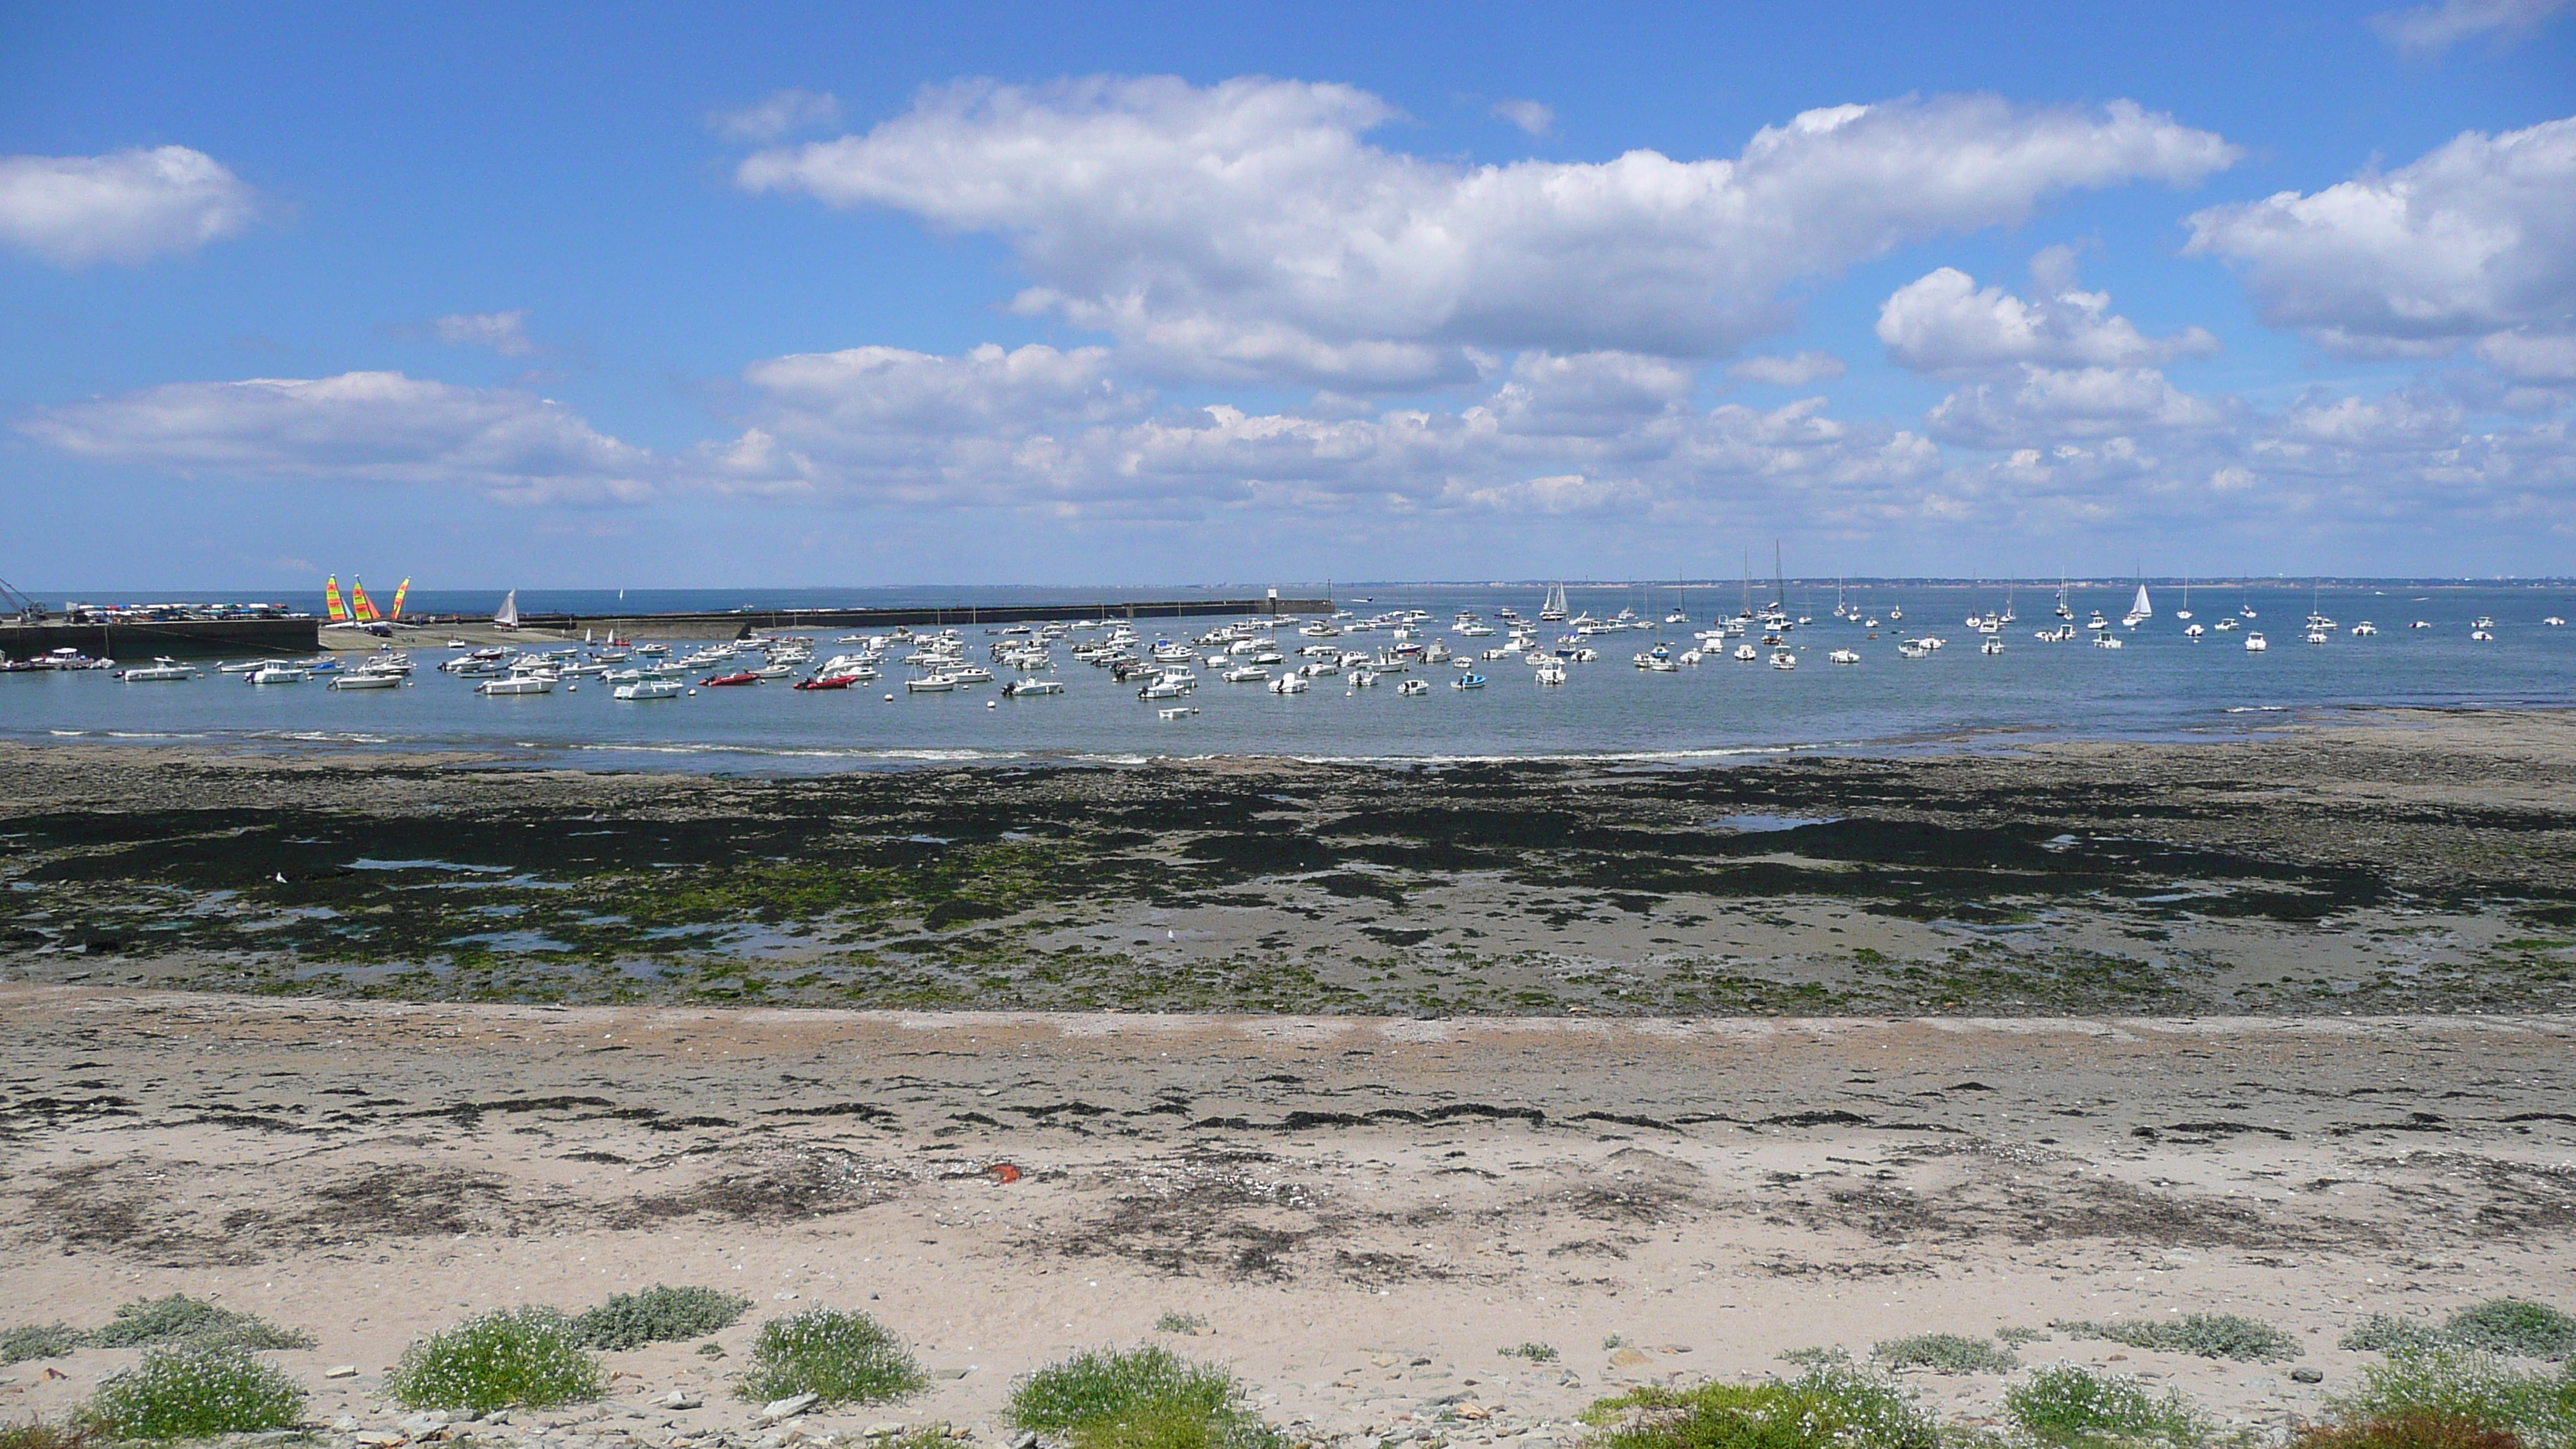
{"x":1180,"y":1323}
{"x":2405,"y":1431}
{"x":1534,"y":1352}
{"x":2456,"y":1383}
{"x":846,"y":1358}
{"x":511,"y":1358}
{"x":50,"y":1340}
{"x":1950,"y":1353}
{"x":659,"y":1314}
{"x":2017,"y":1337}
{"x":37,"y":1434}
{"x":2210,"y":1335}
{"x":179,"y":1318}
{"x":2070,"y":1405}
{"x":1828,"y":1407}
{"x":2384,"y":1333}
{"x":193,"y":1392}
{"x":2510,"y":1325}
{"x":1145,"y":1398}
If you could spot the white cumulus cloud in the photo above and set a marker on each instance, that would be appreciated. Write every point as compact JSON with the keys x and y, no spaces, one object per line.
{"x":359,"y":427}
{"x":1943,"y":323}
{"x":2432,"y":29}
{"x":1535,"y":117}
{"x":127,"y":206}
{"x":1794,"y":371}
{"x":780,"y":113}
{"x":2475,"y":238}
{"x":504,"y":332}
{"x":1248,"y":230}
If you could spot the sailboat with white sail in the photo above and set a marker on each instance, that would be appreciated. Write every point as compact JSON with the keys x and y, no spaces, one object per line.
{"x":1553,"y":611}
{"x":2140,"y":610}
{"x":507,"y":616}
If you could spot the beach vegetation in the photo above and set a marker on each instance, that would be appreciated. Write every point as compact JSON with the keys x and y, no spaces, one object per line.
{"x":1181,"y":1323}
{"x":1815,"y":1357}
{"x":530,"y":1358}
{"x":2072,"y":1407}
{"x":2500,"y":1326}
{"x":1949,"y":1353}
{"x":49,"y":1340}
{"x":1534,"y":1352}
{"x":2514,"y":1326}
{"x":842,"y":1356}
{"x":1144,"y":1398}
{"x":2451,"y":1382}
{"x":180,"y":1319}
{"x":2017,"y":1337}
{"x":2209,"y":1335}
{"x":1831,"y":1406}
{"x":2416,"y":1430}
{"x":194,"y":1391}
{"x":37,"y":1434}
{"x":659,"y":1314}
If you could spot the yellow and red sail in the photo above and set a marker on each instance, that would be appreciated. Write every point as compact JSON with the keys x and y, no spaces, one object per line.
{"x":400,"y":589}
{"x":331,"y":600}
{"x":361,"y":607}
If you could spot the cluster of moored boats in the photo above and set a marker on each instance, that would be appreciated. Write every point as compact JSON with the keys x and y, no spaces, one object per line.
{"x":1164,"y":670}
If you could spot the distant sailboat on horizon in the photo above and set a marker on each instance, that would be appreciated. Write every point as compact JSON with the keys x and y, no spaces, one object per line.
{"x":507,"y":616}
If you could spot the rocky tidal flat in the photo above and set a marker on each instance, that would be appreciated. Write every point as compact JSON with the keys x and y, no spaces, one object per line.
{"x":2387,"y":862}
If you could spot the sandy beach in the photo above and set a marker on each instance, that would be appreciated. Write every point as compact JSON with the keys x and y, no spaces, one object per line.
{"x":1365,"y":1211}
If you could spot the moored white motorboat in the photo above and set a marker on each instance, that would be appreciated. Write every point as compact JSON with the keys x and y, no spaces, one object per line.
{"x":161,"y":669}
{"x":1783,"y":659}
{"x":368,"y":679}
{"x":518,"y":684}
{"x":1290,"y":684}
{"x":641,"y":689}
{"x":1413,"y":687}
{"x":1468,"y":681}
{"x":930,"y":684}
{"x":2255,"y":643}
{"x":280,"y":674}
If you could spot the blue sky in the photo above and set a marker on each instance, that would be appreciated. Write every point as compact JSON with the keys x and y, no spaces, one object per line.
{"x":1066,"y":294}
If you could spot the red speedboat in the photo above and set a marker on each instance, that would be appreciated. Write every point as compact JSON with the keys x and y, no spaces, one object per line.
{"x":828,"y":681}
{"x":722,"y":680}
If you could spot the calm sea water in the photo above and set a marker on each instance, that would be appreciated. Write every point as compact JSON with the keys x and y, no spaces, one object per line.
{"x":2161,"y":685}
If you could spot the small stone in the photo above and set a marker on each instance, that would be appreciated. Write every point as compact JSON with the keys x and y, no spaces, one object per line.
{"x":789,"y":1407}
{"x":683,"y":1399}
{"x":2307,"y":1375}
{"x":344,"y":1371}
{"x":1628,"y":1358}
{"x":887,"y":1429}
{"x":380,"y":1438}
{"x":422,"y":1425}
{"x":1025,"y":1439}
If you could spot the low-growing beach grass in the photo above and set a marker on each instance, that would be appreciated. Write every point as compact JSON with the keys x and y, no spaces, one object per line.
{"x":1534,"y":1352}
{"x":2210,"y":1335}
{"x":1950,"y":1353}
{"x":149,"y":1322}
{"x":510,"y":1358}
{"x":1180,"y":1323}
{"x":2070,"y":1406}
{"x":1830,"y":1405}
{"x":37,"y":1434}
{"x":2414,"y":1430}
{"x":47,"y":1340}
{"x":659,"y":1314}
{"x":1143,"y":1398}
{"x":843,"y":1357}
{"x":2386,"y":1333}
{"x":2514,"y":1326}
{"x":193,"y":1392}
{"x":2465,"y":1384}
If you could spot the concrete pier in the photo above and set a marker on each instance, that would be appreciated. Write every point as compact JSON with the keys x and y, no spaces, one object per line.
{"x":179,"y":638}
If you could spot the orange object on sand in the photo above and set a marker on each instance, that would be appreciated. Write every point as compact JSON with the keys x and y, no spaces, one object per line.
{"x":1004,"y":1173}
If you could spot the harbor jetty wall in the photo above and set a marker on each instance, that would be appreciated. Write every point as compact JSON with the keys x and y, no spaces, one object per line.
{"x":733,"y":625}
{"x":178,"y":638}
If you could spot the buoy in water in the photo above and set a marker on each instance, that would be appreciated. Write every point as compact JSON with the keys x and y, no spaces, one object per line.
{"x":693,"y":694}
{"x":989,"y":704}
{"x":889,"y":699}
